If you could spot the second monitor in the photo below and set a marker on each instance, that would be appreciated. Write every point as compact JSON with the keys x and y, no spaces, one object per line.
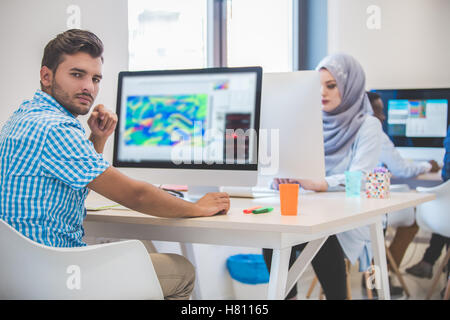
{"x":417,"y":121}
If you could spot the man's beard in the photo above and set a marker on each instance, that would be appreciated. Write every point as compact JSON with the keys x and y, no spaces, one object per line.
{"x":64,"y":99}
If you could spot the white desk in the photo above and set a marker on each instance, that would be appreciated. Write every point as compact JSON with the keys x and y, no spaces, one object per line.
{"x":321,"y":215}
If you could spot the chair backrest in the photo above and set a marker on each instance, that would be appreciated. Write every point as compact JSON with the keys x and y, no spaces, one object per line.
{"x":404,"y":217}
{"x":119,"y":270}
{"x":434,"y":216}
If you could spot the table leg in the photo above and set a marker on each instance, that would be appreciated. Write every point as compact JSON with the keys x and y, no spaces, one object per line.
{"x":278,"y":273}
{"x":188,"y":252}
{"x":302,"y":262}
{"x":378,"y":247}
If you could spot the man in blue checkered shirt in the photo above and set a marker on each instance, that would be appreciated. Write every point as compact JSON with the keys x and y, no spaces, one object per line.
{"x":48,"y":165}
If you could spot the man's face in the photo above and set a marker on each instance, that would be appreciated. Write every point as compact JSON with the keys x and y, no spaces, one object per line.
{"x":76,"y":82}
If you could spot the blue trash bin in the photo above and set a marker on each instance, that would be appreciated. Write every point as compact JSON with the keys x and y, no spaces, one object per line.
{"x":250,"y":276}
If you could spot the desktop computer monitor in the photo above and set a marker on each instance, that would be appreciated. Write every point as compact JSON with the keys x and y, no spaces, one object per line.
{"x":195,"y":127}
{"x":291,"y":118}
{"x":417,"y":121}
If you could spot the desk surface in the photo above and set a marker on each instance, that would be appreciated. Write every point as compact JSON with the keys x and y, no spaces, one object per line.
{"x":317,"y":212}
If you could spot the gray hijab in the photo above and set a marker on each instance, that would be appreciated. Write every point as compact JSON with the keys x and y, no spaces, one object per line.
{"x":342,"y":124}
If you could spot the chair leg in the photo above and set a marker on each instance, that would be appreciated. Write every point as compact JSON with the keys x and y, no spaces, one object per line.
{"x":321,"y":294}
{"x":438,"y":275}
{"x":311,"y":287}
{"x":396,"y":271}
{"x":347,"y":274}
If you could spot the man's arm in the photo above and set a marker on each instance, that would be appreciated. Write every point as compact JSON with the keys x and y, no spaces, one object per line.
{"x":146,"y":198}
{"x":138,"y":195}
{"x":397,"y":165}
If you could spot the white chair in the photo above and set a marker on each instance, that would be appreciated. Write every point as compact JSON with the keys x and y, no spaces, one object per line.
{"x":119,"y":270}
{"x":434,"y":216}
{"x":404,"y":217}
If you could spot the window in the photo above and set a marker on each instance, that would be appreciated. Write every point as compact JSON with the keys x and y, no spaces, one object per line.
{"x":167,"y":34}
{"x":180,"y":34}
{"x":259,"y":32}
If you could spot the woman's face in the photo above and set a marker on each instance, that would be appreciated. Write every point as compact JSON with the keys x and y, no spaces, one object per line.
{"x":331,"y":97}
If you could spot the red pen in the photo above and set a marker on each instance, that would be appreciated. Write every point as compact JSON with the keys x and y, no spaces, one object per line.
{"x":249,"y":210}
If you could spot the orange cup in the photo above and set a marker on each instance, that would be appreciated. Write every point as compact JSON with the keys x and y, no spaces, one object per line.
{"x":289,"y":199}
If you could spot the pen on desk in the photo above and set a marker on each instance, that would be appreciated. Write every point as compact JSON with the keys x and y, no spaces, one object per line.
{"x":262,"y":210}
{"x":250,"y":210}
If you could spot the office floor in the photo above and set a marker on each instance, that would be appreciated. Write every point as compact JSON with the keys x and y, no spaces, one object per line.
{"x":418,"y":287}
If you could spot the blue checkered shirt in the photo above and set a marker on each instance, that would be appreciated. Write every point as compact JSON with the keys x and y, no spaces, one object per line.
{"x":46,"y":163}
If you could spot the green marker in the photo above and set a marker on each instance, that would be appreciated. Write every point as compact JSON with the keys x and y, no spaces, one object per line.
{"x":262,"y":210}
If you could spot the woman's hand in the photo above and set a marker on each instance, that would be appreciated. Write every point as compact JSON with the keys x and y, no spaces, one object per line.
{"x":318,"y":185}
{"x":277,"y":181}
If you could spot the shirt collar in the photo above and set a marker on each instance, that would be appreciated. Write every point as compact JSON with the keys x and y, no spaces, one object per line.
{"x":43,"y":97}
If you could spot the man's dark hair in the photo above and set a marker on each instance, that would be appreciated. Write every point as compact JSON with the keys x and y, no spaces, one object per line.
{"x":70,"y":42}
{"x":373,"y":96}
{"x":376,"y":107}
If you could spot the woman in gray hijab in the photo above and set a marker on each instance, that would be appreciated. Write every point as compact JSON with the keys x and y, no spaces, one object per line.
{"x":352,"y":143}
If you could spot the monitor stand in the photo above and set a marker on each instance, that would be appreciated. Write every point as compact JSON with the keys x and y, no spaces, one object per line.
{"x":249,"y":192}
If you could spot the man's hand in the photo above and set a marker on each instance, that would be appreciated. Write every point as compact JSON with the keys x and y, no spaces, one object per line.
{"x":102,"y":123}
{"x":318,"y":185}
{"x":213,"y":203}
{"x":434,"y":166}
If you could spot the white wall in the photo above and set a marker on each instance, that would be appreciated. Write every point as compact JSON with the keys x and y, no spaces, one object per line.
{"x":409,"y":50}
{"x":27,"y":26}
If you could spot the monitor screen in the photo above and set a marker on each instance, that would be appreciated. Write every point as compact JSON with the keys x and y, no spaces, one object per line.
{"x":199,"y":118}
{"x":416,"y":117}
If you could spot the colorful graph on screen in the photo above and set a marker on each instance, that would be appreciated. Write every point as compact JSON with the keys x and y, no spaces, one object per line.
{"x":417,"y":108}
{"x":151,"y":120}
{"x":222,"y":85}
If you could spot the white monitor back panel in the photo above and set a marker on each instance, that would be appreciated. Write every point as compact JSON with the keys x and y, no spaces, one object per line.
{"x":291,"y":134}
